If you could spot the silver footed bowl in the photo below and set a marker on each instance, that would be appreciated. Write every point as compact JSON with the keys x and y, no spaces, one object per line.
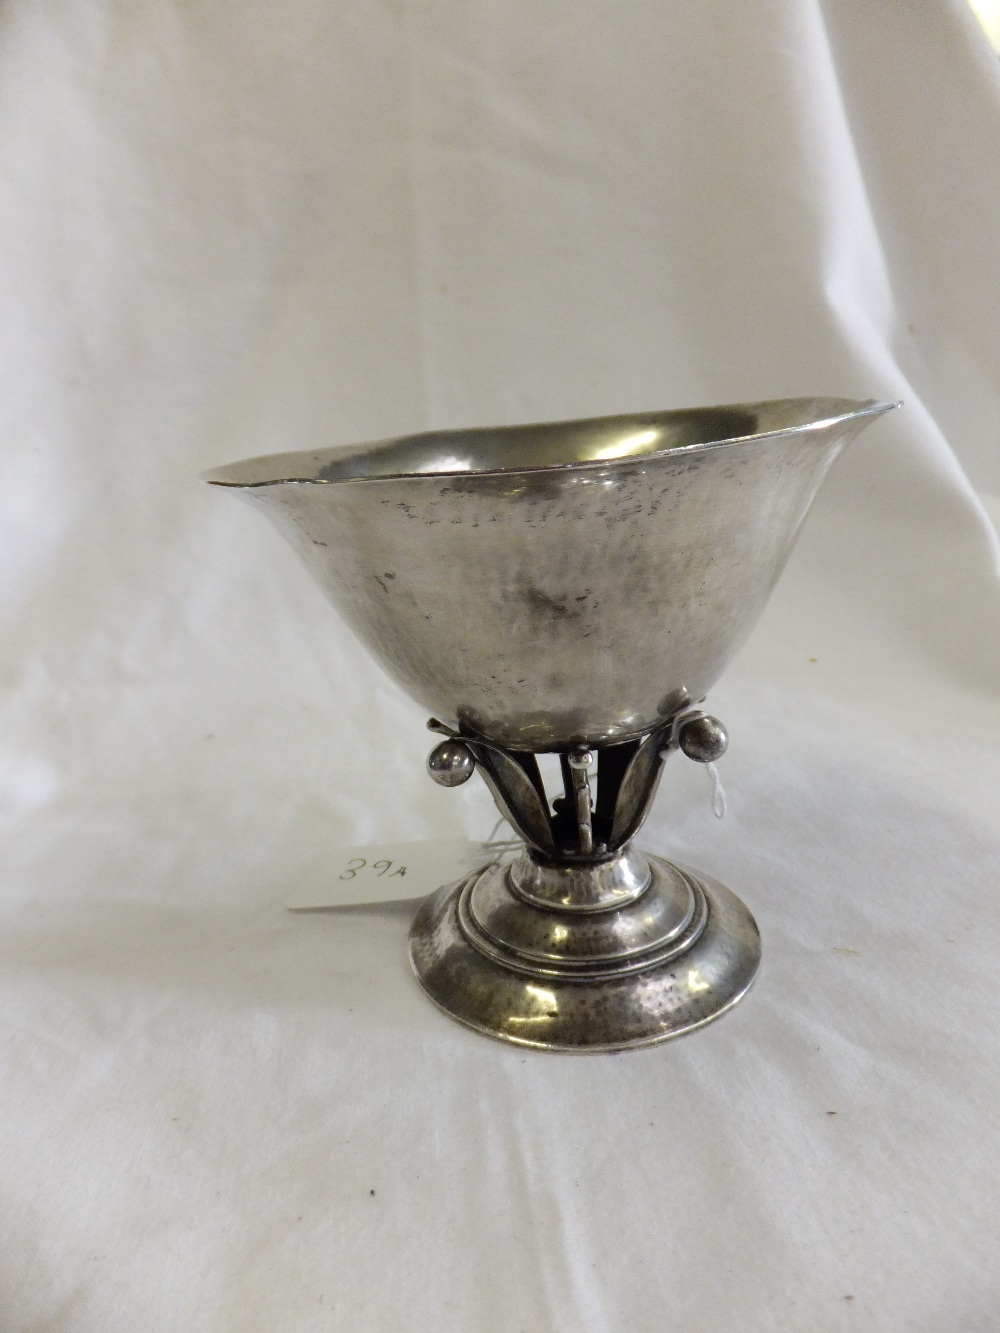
{"x":572,"y":587}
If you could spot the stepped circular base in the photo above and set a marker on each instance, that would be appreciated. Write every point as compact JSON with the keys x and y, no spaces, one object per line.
{"x":676,"y":957}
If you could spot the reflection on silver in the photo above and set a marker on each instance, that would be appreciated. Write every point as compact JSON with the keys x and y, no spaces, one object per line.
{"x":572,"y":587}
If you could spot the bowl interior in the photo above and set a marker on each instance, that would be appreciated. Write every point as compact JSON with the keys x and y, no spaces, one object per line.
{"x":548,"y":445}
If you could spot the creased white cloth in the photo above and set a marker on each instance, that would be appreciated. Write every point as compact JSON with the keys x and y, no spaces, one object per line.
{"x":230,"y":229}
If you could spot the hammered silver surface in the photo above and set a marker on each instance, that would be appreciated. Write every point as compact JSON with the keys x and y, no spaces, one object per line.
{"x":547,"y":935}
{"x":546,"y":586}
{"x":612,"y":1012}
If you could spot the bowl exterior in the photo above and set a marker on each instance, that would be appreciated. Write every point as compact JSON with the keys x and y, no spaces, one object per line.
{"x":546,"y":609}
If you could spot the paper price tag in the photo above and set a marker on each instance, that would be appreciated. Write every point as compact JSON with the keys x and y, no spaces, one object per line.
{"x":391,"y":872}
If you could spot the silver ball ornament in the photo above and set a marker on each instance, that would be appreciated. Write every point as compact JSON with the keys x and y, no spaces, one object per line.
{"x":451,"y":763}
{"x":703,"y":739}
{"x":580,"y":757}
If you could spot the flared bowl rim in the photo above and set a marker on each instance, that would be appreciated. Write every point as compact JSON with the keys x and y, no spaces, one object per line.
{"x":357,"y":464}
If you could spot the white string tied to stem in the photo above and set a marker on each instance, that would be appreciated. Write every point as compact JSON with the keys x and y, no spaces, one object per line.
{"x":501,"y":845}
{"x":718,"y":791}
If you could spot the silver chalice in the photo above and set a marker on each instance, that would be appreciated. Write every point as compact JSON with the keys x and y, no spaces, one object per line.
{"x":570,"y":589}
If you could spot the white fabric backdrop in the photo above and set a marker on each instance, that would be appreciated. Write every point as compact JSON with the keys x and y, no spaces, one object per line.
{"x":231,"y":228}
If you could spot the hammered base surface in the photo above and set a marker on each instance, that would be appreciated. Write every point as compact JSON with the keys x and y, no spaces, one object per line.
{"x":671,"y":991}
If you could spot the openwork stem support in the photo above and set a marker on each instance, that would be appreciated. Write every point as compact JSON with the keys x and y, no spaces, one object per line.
{"x":574,"y":826}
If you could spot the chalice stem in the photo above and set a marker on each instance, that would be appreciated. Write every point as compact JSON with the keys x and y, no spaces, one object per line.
{"x":581,"y":794}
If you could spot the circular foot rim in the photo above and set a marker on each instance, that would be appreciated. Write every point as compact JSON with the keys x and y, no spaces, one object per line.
{"x":611,"y":1013}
